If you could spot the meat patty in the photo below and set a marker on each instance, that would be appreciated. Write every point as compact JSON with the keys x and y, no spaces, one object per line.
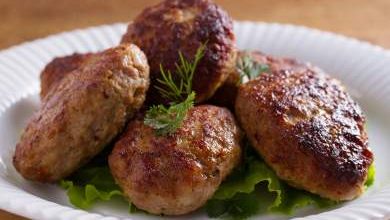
{"x":307,"y":128}
{"x":58,"y":68}
{"x":178,"y":173}
{"x":225,"y":95}
{"x":163,"y":30}
{"x":79,"y":117}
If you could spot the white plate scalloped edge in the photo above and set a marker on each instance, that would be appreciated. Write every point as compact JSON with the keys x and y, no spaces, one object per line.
{"x":363,"y":67}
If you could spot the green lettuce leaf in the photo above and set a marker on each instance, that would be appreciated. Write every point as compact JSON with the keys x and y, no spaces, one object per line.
{"x":370,"y":176}
{"x":92,"y":183}
{"x":89,"y":185}
{"x":254,"y":188}
{"x":293,"y":199}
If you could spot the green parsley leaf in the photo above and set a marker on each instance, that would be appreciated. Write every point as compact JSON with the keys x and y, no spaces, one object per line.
{"x":166,"y":120}
{"x":249,"y":68}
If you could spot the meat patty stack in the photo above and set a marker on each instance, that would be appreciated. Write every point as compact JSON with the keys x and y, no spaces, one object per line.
{"x":298,"y":118}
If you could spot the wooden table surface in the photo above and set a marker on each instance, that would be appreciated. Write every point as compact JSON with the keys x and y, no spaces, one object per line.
{"x":24,"y":20}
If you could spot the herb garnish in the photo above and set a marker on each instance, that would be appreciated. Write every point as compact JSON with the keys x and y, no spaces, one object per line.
{"x":249,"y":68}
{"x":178,"y":91}
{"x":165,"y":120}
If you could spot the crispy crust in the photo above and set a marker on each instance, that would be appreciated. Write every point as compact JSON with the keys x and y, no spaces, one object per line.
{"x":177,"y":174}
{"x":173,"y":25}
{"x":58,"y":68}
{"x":80,"y":116}
{"x":308,"y":129}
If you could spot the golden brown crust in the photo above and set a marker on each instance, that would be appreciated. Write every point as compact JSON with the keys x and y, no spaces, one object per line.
{"x":308,"y":129}
{"x":177,"y":174}
{"x":58,"y":68}
{"x":80,"y":116}
{"x":171,"y":26}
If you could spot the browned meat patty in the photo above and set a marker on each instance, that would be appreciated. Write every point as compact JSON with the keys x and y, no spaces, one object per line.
{"x":226,"y":94}
{"x":276,"y":63}
{"x":163,"y":30}
{"x":79,"y":117}
{"x":177,"y":174}
{"x":58,"y":68}
{"x":307,"y":128}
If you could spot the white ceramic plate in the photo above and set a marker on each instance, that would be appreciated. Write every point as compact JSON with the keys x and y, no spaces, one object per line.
{"x":364,"y":68}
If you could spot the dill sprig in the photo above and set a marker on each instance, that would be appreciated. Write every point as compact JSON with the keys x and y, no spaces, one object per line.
{"x":177,"y":91}
{"x":249,"y":68}
{"x":166,"y":120}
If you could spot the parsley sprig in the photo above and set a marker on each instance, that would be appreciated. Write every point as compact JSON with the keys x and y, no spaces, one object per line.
{"x":178,"y":91}
{"x":166,"y":120}
{"x":249,"y":68}
{"x":177,"y":88}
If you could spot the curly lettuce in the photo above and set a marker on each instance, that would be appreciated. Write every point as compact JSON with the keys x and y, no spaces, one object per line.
{"x":89,"y":185}
{"x":92,"y":183}
{"x":254,"y":188}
